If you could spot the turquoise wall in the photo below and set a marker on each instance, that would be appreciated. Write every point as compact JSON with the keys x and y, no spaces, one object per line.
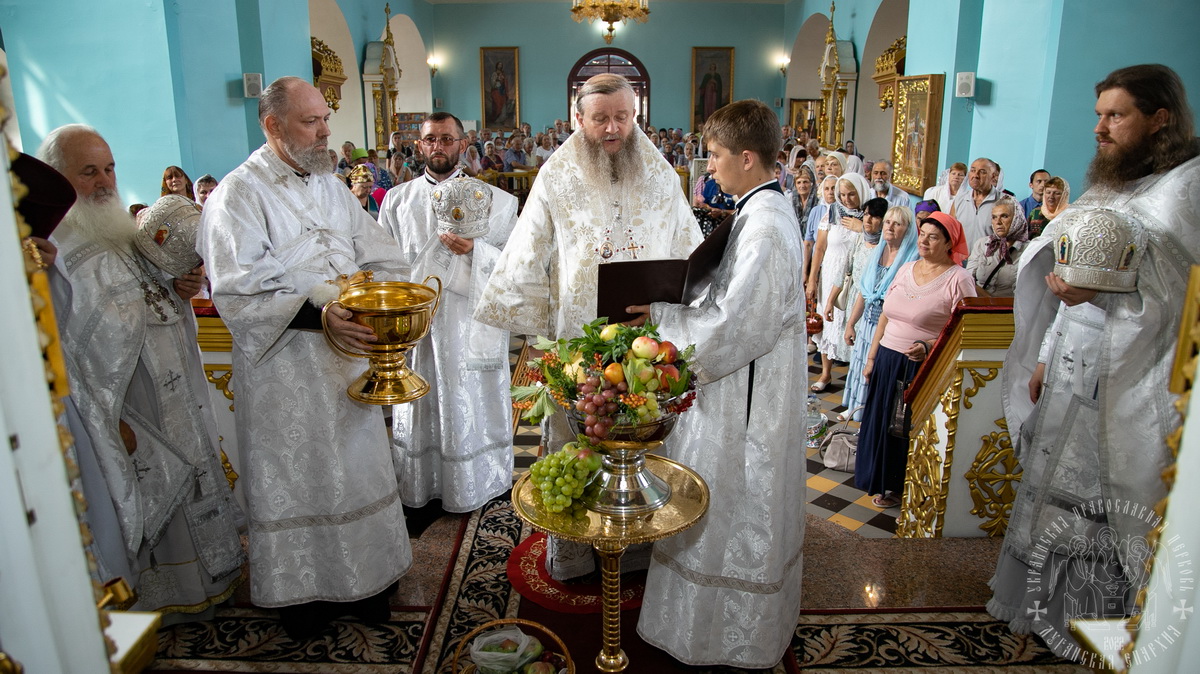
{"x":121,"y":67}
{"x":1099,"y":36}
{"x":1037,"y":62}
{"x":108,"y":67}
{"x":551,"y":42}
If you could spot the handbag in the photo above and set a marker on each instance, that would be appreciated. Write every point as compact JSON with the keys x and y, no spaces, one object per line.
{"x":840,"y":446}
{"x":900,"y":422}
{"x":843,"y":297}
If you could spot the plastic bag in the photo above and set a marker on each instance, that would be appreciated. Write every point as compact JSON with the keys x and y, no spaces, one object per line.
{"x":497,"y":662}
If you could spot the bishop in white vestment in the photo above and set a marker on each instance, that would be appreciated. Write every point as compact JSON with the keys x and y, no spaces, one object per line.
{"x":606,"y":195}
{"x":455,"y":442}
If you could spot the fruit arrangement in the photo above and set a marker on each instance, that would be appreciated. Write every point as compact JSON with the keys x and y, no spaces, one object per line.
{"x":617,"y":383}
{"x":615,"y":375}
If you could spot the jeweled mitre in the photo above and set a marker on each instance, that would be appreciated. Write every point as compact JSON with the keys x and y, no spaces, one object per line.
{"x":462,"y":206}
{"x":167,"y":235}
{"x":1100,"y":249}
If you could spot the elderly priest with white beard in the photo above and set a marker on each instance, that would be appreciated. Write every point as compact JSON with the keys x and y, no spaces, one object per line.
{"x":161,"y":510}
{"x":327,"y":532}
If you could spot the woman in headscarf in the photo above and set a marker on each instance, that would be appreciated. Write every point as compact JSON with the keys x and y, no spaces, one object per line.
{"x":899,"y":247}
{"x":804,"y":195}
{"x":492,"y":161}
{"x":915,"y":309}
{"x":1056,"y":195}
{"x":470,"y":161}
{"x":993,"y":260}
{"x":834,"y":237}
{"x":826,"y":195}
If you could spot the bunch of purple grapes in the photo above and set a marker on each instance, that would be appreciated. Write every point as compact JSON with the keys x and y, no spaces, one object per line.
{"x":599,"y":404}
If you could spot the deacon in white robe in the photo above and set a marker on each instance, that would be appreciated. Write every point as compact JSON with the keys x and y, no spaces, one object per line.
{"x":727,"y":590}
{"x":1093,"y":447}
{"x":129,"y":341}
{"x":325,"y":516}
{"x":455,"y":442}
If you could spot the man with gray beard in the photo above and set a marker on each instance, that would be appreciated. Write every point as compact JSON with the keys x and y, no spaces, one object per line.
{"x":326,"y":535}
{"x":161,"y":510}
{"x":606,"y":195}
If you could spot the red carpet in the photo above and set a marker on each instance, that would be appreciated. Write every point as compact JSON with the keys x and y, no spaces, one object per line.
{"x":527,"y":573}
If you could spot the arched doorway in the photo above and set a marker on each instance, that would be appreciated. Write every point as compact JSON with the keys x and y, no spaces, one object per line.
{"x":616,"y":61}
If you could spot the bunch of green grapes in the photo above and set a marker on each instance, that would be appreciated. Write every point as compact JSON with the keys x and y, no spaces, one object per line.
{"x":563,"y":476}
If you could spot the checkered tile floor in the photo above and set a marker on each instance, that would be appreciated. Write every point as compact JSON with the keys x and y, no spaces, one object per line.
{"x":831,"y":493}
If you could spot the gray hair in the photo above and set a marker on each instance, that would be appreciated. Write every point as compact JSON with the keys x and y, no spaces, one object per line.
{"x":885,"y":162}
{"x":274,"y":101}
{"x":52,"y":148}
{"x":604,"y":83}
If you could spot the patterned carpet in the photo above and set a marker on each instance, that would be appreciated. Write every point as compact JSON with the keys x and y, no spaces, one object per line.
{"x":475,"y":590}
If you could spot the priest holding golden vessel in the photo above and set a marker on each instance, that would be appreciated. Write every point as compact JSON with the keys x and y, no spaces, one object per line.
{"x":327,"y":534}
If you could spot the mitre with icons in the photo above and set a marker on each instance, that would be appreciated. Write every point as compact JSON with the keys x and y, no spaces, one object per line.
{"x":1099,"y":249}
{"x":462,"y":206}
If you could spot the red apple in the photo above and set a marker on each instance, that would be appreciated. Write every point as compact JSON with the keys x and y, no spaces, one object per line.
{"x":644,"y":347}
{"x":667,"y":353}
{"x":667,"y":374}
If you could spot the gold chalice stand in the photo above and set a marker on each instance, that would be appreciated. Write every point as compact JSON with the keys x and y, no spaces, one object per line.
{"x":610,"y":534}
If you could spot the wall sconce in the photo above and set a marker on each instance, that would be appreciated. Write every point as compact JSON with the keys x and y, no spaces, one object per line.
{"x":783,"y":62}
{"x":434,"y":63}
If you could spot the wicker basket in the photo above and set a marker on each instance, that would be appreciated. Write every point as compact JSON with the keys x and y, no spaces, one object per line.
{"x":469,"y":667}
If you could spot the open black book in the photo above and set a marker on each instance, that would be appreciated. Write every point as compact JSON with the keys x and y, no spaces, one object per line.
{"x":632,"y":282}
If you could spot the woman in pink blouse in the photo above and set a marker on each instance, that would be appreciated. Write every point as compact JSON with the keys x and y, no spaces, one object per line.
{"x":915,"y":309}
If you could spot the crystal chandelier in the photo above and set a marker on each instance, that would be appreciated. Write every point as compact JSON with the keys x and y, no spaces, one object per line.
{"x":610,"y":12}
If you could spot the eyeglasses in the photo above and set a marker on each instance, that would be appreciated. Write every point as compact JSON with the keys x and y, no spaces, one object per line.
{"x":444,"y":141}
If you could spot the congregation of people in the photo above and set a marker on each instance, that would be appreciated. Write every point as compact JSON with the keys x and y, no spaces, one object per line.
{"x":829,"y":263}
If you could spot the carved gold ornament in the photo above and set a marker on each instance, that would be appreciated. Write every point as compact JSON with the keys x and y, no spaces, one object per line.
{"x":992,"y":480}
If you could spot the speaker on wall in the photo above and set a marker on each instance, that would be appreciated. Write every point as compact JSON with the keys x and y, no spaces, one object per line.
{"x":252,"y":85}
{"x":964,"y":85}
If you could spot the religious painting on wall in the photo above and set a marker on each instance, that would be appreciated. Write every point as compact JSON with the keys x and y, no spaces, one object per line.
{"x":712,"y":82}
{"x":499,"y":88}
{"x":802,"y":115}
{"x":916,"y":132}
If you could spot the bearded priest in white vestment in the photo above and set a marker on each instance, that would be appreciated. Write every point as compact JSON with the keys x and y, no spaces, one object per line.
{"x":129,"y":340}
{"x":605,"y":195}
{"x":1085,"y":380}
{"x":455,"y":442}
{"x":727,"y":591}
{"x":326,"y":524}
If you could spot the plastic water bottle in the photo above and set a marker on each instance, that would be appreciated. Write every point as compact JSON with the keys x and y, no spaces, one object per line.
{"x":816,"y":421}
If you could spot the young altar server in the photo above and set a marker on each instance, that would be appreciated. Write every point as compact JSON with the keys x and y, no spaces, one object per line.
{"x":727,"y":591}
